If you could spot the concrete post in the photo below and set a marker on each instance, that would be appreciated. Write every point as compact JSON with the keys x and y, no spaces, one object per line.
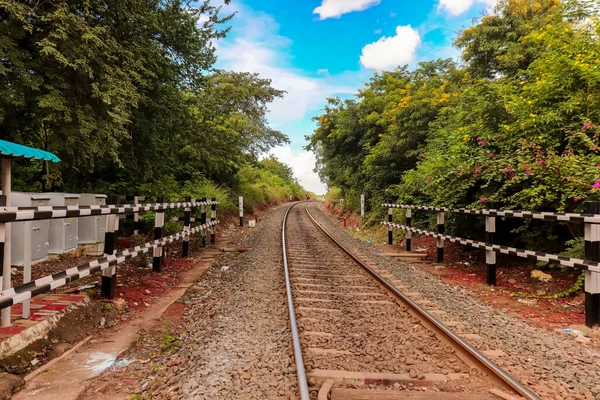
{"x":27,"y":265}
{"x":390,"y":229}
{"x":241,"y":211}
{"x":362,"y":206}
{"x":109,"y":275}
{"x":490,"y":255}
{"x":187,"y":215}
{"x":159,"y":223}
{"x":408,"y":234}
{"x":213,"y":217}
{"x":203,"y":221}
{"x":592,"y":279}
{"x":440,"y":241}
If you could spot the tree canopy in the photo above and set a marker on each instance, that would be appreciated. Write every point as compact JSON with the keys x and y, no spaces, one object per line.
{"x":126,"y":94}
{"x":515,"y":124}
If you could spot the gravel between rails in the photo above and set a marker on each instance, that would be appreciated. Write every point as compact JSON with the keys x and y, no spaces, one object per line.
{"x":553,"y":366}
{"x":342,"y":329}
{"x":236,"y":342}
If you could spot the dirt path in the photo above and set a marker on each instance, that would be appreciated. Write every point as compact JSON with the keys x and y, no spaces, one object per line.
{"x":65,"y":378}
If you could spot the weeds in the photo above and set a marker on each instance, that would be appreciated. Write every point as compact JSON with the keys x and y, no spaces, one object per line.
{"x":168,"y":343}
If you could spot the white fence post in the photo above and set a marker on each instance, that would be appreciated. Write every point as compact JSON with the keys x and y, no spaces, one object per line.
{"x":362,"y":206}
{"x":6,"y":270}
{"x":27,"y":265}
{"x":241,"y":211}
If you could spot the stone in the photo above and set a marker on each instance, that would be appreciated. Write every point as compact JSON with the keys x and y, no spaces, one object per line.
{"x":9,"y":384}
{"x":58,"y":349}
{"x":541,"y":276}
{"x":120,"y":305}
{"x":582,"y":339}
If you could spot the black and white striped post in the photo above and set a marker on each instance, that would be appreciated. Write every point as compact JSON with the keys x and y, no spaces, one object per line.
{"x":136,"y":216}
{"x":7,"y":228}
{"x":592,"y":278}
{"x":213,"y":217}
{"x":408,"y":234}
{"x":109,"y":275}
{"x":490,"y":255}
{"x":187,"y":216}
{"x":241,"y":211}
{"x":440,"y":241}
{"x":159,"y":223}
{"x":27,"y":265}
{"x":203,"y":221}
{"x":3,"y":259}
{"x":390,"y":229}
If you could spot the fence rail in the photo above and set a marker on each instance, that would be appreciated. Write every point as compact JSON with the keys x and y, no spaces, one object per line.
{"x":543,"y":215}
{"x":513,"y":251}
{"x":105,"y":265}
{"x":20,"y":214}
{"x":18,"y":294}
{"x":591,"y":263}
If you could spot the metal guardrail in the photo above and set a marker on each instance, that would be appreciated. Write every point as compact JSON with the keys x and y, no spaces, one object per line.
{"x":591,"y":263}
{"x":107,"y":265}
{"x":19,"y":294}
{"x":14,"y":214}
{"x":532,"y":255}
{"x":542,"y":215}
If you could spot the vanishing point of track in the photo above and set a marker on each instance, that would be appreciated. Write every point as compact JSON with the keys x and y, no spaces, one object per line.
{"x":353,"y":328}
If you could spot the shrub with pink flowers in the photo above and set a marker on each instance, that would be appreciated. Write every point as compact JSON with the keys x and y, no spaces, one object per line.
{"x":514,"y":128}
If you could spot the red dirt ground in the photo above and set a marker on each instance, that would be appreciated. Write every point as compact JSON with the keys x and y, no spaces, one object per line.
{"x":140,"y":286}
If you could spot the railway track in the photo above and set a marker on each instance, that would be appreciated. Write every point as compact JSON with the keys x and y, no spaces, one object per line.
{"x":356,"y":336}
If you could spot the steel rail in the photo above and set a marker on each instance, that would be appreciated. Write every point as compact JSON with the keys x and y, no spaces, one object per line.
{"x":302,"y":383}
{"x":438,"y":325}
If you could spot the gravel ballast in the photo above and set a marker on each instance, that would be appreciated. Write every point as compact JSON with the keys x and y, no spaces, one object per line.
{"x":553,"y":366}
{"x":348,"y":322}
{"x":235,"y":342}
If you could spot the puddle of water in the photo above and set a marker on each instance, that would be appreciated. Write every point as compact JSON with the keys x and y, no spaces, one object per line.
{"x":99,"y":362}
{"x":123,"y":363}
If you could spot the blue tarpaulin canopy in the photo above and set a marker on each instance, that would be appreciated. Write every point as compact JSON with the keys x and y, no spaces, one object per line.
{"x":14,"y":150}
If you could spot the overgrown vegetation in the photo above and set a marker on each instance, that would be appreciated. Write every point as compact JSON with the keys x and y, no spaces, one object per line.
{"x":126,"y":94}
{"x":515,"y":125}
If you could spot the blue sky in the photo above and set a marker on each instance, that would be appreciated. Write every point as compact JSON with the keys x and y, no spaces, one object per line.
{"x":315,"y":49}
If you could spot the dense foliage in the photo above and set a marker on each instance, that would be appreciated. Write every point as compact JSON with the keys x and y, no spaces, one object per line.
{"x":516,"y":124}
{"x":125,"y":93}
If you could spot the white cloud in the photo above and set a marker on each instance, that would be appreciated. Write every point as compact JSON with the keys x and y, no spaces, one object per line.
{"x":302,"y":164}
{"x":377,"y":31}
{"x":336,"y":8}
{"x":256,"y":46}
{"x":457,"y":7}
{"x":389,"y":52}
{"x":303,"y":93}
